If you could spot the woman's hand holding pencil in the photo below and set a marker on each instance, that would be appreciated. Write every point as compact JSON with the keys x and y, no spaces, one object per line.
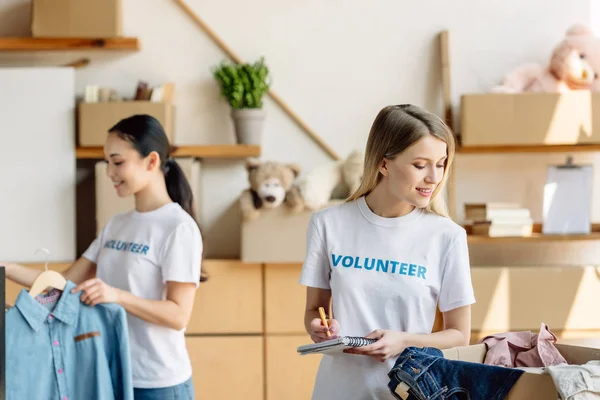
{"x":322,"y":329}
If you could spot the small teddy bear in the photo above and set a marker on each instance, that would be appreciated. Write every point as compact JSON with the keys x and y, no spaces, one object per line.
{"x":331,"y":181}
{"x":269,"y":184}
{"x":569,"y":67}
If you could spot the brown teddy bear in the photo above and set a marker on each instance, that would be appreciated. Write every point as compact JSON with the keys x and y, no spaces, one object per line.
{"x":269,"y":184}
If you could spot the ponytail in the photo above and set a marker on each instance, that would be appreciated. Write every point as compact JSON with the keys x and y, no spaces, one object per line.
{"x":180,"y":192}
{"x":178,"y":187}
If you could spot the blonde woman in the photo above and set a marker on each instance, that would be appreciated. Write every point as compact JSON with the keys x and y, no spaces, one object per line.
{"x":388,"y":256}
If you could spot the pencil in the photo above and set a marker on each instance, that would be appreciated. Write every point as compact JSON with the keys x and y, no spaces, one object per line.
{"x":324,"y":320}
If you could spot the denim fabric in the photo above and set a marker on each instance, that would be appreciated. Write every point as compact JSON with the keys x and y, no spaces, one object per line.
{"x":70,"y":352}
{"x":184,"y":391}
{"x":430,"y":376}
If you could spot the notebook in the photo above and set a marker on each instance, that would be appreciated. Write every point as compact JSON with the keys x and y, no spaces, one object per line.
{"x":334,"y":346}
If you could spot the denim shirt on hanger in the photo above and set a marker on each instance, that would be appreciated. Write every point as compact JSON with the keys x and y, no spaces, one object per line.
{"x":70,"y":352}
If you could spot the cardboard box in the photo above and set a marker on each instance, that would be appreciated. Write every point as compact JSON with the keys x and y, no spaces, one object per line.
{"x":95,"y":119}
{"x":108,"y":203}
{"x":277,"y":236}
{"x":531,"y":385}
{"x":528,"y":119}
{"x":596,"y":111}
{"x":76,"y":18}
{"x":521,"y":298}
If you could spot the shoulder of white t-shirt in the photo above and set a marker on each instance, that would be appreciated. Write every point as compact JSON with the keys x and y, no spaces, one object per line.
{"x":180,"y":216}
{"x":444,"y":224}
{"x":333,"y":209}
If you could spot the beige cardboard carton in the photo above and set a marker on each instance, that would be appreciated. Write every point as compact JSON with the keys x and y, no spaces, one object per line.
{"x":532,"y":384}
{"x":596,"y":111}
{"x":76,"y":18}
{"x":95,"y":119}
{"x":523,"y":119}
{"x":108,"y":203}
{"x":277,"y":236}
{"x":516,"y":297}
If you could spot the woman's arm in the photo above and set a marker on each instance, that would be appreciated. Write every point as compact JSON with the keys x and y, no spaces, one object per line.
{"x":78,"y":272}
{"x":174,"y":312}
{"x":456,"y":332}
{"x":316,"y":298}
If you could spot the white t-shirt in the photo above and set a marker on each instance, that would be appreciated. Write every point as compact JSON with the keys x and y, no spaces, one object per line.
{"x":139,"y":252}
{"x":384,"y":273}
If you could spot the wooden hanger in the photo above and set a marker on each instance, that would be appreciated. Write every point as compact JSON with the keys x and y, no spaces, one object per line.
{"x":47,"y":279}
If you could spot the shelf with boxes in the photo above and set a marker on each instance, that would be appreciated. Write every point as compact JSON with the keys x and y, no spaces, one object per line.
{"x":519,"y":123}
{"x":101,"y":107}
{"x":73,"y":25}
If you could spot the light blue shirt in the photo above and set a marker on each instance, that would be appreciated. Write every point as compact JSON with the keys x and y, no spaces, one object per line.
{"x":70,"y":352}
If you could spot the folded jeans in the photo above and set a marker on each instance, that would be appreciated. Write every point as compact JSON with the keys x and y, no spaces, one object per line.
{"x":422,"y":373}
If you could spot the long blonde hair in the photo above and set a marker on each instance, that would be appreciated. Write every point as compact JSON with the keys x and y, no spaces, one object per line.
{"x":394,"y":130}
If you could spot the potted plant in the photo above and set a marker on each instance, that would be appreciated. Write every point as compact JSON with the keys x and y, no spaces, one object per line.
{"x":244,"y":86}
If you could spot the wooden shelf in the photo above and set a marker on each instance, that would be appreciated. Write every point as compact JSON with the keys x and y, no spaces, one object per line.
{"x":63,"y":44}
{"x":528,"y":149}
{"x":61,"y":266}
{"x":209,"y":151}
{"x":534,"y":238}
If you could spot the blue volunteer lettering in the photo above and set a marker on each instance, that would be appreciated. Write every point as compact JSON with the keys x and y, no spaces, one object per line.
{"x":379,"y":265}
{"x":127,"y":246}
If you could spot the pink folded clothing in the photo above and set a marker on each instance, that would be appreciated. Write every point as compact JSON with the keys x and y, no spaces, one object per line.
{"x":523,"y":349}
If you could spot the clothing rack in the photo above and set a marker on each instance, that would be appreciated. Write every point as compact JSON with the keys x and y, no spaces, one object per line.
{"x":2,"y":334}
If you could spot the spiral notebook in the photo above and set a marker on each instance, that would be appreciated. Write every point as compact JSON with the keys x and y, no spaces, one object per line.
{"x":334,"y":346}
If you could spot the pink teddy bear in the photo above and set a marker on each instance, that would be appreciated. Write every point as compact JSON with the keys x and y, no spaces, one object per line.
{"x":573,"y":66}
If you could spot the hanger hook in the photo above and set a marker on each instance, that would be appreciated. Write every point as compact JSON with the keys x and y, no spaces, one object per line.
{"x":47,"y":256}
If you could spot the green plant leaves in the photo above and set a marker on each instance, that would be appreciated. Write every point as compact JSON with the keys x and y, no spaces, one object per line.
{"x":243,"y":85}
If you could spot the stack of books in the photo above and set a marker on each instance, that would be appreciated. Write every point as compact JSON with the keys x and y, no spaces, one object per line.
{"x":498,"y":219}
{"x":143,"y":92}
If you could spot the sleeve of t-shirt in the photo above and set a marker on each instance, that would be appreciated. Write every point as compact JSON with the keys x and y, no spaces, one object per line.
{"x":316,"y":269}
{"x":93,"y":250}
{"x":182,"y":255}
{"x":457,"y":288}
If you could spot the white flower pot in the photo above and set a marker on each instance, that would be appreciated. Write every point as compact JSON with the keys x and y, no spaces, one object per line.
{"x":248,"y":125}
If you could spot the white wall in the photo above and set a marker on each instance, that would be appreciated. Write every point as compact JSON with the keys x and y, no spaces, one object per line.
{"x":335,"y":62}
{"x":37,"y":164}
